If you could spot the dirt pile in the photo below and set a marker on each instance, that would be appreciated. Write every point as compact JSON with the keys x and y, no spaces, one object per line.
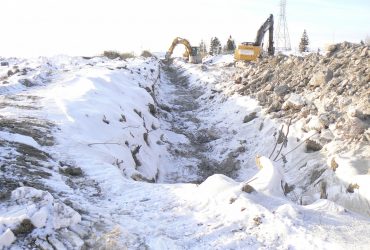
{"x":329,"y":93}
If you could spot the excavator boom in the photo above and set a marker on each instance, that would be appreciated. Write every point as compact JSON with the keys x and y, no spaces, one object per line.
{"x":190,"y":52}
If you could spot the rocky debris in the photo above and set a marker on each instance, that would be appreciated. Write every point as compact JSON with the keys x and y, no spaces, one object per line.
{"x":33,"y":209}
{"x":325,"y":90}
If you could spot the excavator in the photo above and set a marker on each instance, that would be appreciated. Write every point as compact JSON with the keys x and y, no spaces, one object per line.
{"x":191,"y":52}
{"x":250,"y":51}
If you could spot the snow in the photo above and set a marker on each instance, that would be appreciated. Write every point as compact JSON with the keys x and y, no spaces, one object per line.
{"x":19,"y":138}
{"x":101,"y":110}
{"x":219,"y":60}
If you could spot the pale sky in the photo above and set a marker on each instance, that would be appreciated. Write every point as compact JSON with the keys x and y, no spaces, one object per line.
{"x":87,"y":27}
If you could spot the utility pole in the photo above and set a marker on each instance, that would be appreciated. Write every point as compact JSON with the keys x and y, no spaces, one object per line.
{"x":282,"y":39}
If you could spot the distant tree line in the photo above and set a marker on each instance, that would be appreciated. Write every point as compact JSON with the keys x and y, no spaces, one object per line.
{"x":216,"y":48}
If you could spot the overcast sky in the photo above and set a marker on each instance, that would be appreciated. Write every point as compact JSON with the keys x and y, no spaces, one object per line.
{"x":87,"y":27}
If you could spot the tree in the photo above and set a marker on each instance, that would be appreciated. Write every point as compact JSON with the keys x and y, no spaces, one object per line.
{"x":215,"y":46}
{"x":202,"y":48}
{"x":230,"y":45}
{"x":303,"y":45}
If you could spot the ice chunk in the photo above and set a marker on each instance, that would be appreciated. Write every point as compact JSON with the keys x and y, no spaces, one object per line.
{"x":39,"y":218}
{"x":7,"y":238}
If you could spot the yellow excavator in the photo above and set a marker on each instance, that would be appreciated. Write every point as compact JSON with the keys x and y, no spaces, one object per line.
{"x":250,"y":51}
{"x":191,"y":52}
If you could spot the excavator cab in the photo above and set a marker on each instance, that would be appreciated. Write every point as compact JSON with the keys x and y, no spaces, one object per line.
{"x":194,"y":56}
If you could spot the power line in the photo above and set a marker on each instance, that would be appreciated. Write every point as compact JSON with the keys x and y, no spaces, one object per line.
{"x":282,"y":39}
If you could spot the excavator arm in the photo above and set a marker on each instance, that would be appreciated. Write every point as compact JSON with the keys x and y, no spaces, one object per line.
{"x":190,"y":52}
{"x":176,"y":41}
{"x":267,"y":26}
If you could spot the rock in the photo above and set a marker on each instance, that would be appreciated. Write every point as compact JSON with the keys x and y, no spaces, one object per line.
{"x":295,"y":102}
{"x":250,"y":117}
{"x":305,"y":111}
{"x":266,"y":76}
{"x":362,"y":109}
{"x":312,"y":146}
{"x":332,"y":48}
{"x":321,"y":78}
{"x":25,"y":227}
{"x":140,"y":177}
{"x":364,"y":52}
{"x":152,"y":109}
{"x":248,"y":189}
{"x":262,"y":97}
{"x":354,"y":127}
{"x":351,"y":187}
{"x":324,"y":120}
{"x":314,"y":124}
{"x":238,"y":80}
{"x":10,"y":73}
{"x":282,"y":90}
{"x":71,"y":170}
{"x":64,"y":216}
{"x":268,"y":87}
{"x":326,"y":136}
{"x":333,"y":164}
{"x":275,"y":106}
{"x":26,"y":82}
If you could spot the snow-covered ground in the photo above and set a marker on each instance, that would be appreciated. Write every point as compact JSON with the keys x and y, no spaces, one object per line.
{"x":112,"y":154}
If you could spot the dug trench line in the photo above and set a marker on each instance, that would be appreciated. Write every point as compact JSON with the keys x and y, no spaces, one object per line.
{"x":191,"y":158}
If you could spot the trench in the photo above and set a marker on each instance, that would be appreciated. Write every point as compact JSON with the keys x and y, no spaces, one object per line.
{"x":194,"y":158}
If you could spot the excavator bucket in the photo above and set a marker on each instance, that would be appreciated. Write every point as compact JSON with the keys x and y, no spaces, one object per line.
{"x":247,"y":52}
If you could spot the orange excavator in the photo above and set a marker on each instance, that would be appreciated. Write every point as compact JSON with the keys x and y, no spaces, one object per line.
{"x":191,"y":52}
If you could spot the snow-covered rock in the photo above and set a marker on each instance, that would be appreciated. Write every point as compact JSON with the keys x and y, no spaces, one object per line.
{"x":294,"y":101}
{"x":269,"y":179}
{"x":7,"y":238}
{"x":314,"y":124}
{"x":40,"y":208}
